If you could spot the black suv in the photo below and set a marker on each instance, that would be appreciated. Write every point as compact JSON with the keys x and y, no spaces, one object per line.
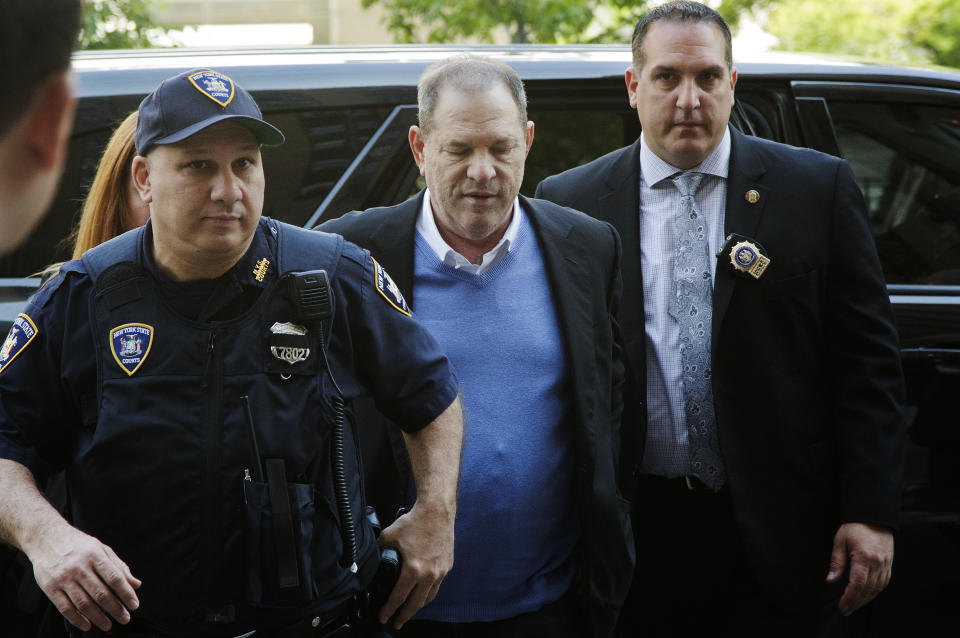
{"x":346,"y":111}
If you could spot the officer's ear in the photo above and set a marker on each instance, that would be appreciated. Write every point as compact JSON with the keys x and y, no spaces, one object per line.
{"x":140,"y":173}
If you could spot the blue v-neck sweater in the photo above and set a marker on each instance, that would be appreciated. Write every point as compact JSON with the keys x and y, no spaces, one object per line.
{"x":516,"y":526}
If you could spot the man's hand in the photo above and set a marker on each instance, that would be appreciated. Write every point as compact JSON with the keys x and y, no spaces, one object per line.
{"x":83,"y":577}
{"x":870,"y":548}
{"x":424,"y":536}
{"x":425,"y":541}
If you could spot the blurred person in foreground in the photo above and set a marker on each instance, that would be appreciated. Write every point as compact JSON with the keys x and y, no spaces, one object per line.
{"x":764,"y":361}
{"x":521,"y":294}
{"x":197,"y":396}
{"x":37,"y":38}
{"x":36,"y":109}
{"x":112,"y":207}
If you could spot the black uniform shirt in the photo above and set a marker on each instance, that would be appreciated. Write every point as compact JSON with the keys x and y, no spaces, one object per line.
{"x":48,"y":371}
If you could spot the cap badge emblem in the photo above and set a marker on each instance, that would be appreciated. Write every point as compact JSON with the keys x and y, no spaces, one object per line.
{"x":215,"y":86}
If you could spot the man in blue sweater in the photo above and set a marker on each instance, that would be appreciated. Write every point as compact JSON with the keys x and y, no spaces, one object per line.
{"x":521,"y":294}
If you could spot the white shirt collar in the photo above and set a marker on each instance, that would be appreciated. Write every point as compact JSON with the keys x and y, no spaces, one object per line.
{"x":654,"y":169}
{"x":427,"y":227}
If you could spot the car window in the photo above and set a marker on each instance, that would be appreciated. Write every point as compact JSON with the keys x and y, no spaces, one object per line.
{"x":320,"y":144}
{"x":568,"y":138}
{"x":904,"y":158}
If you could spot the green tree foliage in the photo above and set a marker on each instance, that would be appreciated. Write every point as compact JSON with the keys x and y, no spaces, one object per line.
{"x":525,"y":20}
{"x":733,"y":10}
{"x":935,"y":26}
{"x":542,"y":21}
{"x":911,"y":31}
{"x":117,"y":24}
{"x":868,"y":28}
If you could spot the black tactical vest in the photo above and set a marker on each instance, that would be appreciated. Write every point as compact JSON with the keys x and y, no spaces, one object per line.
{"x":167,"y":476}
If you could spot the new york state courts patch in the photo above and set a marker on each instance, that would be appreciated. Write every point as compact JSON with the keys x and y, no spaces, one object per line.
{"x":22,"y":332}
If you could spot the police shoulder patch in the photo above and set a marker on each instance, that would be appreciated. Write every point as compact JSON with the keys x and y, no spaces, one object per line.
{"x":215,"y":86}
{"x":130,"y":345}
{"x":21,"y":334}
{"x":388,"y":289}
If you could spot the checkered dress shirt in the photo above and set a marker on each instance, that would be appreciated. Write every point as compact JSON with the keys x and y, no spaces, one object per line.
{"x":667,"y":451}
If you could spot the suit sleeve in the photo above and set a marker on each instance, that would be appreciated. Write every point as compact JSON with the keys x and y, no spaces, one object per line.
{"x":614,"y":291}
{"x":865,"y":355}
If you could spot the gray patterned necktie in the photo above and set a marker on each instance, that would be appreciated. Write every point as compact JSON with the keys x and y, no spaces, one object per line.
{"x":691,"y":304}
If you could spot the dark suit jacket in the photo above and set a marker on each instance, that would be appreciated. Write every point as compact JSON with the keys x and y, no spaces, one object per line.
{"x":581,"y":258}
{"x":807,"y":381}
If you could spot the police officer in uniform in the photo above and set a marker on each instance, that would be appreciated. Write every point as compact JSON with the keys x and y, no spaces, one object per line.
{"x":193,"y":377}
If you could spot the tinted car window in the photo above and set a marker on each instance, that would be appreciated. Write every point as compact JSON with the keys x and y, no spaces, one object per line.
{"x":320,"y":145}
{"x":568,"y":138}
{"x":904,"y":158}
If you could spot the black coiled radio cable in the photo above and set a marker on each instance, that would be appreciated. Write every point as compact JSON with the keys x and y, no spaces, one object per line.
{"x":310,"y":293}
{"x":347,"y":528}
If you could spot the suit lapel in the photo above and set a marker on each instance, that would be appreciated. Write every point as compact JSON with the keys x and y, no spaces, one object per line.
{"x":393,"y":242}
{"x":620,"y":205}
{"x":566,"y":261}
{"x":740,"y":216}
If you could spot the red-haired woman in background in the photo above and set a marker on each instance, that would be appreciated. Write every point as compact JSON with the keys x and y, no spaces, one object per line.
{"x":113,"y":205}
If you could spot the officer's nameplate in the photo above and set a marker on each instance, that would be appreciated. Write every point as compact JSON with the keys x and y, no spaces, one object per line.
{"x":290,"y":344}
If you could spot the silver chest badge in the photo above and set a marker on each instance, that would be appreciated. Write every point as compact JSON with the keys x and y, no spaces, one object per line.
{"x":289,"y":342}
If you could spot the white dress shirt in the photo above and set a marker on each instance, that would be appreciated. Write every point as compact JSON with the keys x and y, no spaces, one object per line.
{"x":427,"y":227}
{"x":667,"y":448}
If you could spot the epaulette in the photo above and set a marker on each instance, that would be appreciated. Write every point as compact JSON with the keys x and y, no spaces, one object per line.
{"x":299,"y":249}
{"x":45,"y":292}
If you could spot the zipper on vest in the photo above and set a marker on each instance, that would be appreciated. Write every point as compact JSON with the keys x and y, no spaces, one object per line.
{"x":211,"y":350}
{"x":211,"y":486}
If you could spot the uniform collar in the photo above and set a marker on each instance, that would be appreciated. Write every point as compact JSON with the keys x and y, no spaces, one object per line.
{"x":204,"y":299}
{"x":243,"y":273}
{"x":258,"y":264}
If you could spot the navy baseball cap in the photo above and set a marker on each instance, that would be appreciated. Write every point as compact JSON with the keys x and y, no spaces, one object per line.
{"x":190,"y":102}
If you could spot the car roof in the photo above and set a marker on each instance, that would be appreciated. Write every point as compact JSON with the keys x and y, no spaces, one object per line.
{"x":131,"y":72}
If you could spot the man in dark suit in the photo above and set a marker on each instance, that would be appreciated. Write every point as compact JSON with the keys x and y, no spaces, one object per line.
{"x":768,"y":478}
{"x":521,"y":294}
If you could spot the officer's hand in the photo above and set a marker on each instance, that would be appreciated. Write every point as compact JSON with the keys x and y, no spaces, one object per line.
{"x":424,"y":539}
{"x":870,"y":548}
{"x":83,"y":577}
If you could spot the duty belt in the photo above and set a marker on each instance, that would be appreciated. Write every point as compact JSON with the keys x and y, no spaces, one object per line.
{"x":332,"y":623}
